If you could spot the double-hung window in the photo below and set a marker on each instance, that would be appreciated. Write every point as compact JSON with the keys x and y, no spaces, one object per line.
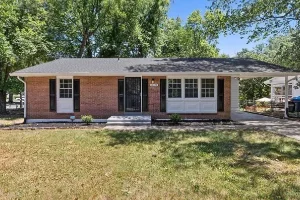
{"x":174,"y":88}
{"x":65,"y":88}
{"x":191,"y":88}
{"x":207,"y":88}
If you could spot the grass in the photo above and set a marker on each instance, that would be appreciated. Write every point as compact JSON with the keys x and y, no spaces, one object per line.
{"x":8,"y":121}
{"x":98,"y":164}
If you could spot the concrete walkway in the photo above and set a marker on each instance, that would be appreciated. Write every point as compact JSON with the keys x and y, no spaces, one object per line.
{"x":248,"y":120}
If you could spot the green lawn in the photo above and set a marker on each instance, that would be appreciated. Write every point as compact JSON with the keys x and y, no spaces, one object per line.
{"x":96,"y":164}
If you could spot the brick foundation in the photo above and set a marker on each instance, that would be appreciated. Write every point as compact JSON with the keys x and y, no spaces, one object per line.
{"x":99,"y":97}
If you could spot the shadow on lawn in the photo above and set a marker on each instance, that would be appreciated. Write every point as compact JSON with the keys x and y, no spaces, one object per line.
{"x":220,"y":143}
{"x":150,"y":136}
{"x":255,"y":152}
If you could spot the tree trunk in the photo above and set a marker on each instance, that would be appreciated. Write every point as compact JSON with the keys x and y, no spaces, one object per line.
{"x":10,"y":98}
{"x":2,"y":102}
{"x":89,"y":49}
{"x":83,"y":45}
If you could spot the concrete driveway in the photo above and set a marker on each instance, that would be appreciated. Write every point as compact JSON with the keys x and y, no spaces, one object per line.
{"x":245,"y":116}
{"x":247,"y":121}
{"x":285,"y":127}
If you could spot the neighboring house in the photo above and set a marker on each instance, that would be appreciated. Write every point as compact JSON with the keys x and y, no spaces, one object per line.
{"x":196,"y":88}
{"x":277,"y":85}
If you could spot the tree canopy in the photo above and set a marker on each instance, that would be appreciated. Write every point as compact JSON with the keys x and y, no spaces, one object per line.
{"x":195,"y":38}
{"x":278,"y":50}
{"x":22,"y":39}
{"x":259,"y":18}
{"x":36,"y":31}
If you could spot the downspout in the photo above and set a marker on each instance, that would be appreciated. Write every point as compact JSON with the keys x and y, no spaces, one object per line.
{"x":286,"y":101}
{"x":25,"y":99}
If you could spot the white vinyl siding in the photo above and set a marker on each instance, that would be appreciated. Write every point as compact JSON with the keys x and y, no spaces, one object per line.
{"x":235,"y":105}
{"x":190,"y":100}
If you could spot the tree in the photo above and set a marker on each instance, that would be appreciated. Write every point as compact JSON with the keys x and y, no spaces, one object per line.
{"x":73,"y":25}
{"x":106,"y":28}
{"x":259,"y":18}
{"x":22,"y":39}
{"x":252,"y":89}
{"x":194,"y":39}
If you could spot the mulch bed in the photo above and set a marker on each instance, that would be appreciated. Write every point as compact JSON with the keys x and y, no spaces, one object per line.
{"x":35,"y":126}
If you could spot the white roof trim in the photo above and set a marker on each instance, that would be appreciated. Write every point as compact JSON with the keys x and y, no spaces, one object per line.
{"x":235,"y":74}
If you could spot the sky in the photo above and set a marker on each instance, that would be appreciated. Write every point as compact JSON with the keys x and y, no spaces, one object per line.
{"x":230,"y":44}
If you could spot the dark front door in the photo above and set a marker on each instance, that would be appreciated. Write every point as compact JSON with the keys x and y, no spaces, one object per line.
{"x":133,"y":94}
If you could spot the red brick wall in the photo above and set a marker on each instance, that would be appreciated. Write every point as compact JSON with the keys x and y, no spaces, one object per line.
{"x":99,"y":97}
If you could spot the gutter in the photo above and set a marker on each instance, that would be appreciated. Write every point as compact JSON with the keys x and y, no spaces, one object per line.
{"x":25,"y":99}
{"x":243,"y":75}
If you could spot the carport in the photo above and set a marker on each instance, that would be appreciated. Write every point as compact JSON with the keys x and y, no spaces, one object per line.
{"x":287,"y":78}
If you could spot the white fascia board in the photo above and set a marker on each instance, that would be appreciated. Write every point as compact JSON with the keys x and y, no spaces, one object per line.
{"x":247,"y":75}
{"x":233,"y":74}
{"x":131,"y":74}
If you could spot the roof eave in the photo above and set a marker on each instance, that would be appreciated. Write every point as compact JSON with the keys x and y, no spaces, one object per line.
{"x":237,"y":74}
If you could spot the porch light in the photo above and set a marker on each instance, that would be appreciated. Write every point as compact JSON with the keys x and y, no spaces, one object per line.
{"x":152,"y":81}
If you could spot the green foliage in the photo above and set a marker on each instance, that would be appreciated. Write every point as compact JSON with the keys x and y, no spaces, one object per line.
{"x":259,"y":18}
{"x":14,"y":85}
{"x":22,"y":40}
{"x":276,"y":19}
{"x":104,"y":28}
{"x":175,"y":118}
{"x":252,"y":89}
{"x":194,"y":39}
{"x":35,"y":31}
{"x":87,"y":119}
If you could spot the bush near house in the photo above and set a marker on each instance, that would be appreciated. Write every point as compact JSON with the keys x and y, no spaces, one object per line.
{"x":175,"y":118}
{"x":87,"y":119}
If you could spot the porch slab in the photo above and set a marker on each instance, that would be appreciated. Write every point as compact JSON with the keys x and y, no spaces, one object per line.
{"x":129,"y":120}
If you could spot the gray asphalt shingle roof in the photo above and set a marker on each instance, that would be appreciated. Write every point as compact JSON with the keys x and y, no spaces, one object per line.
{"x":144,"y":65}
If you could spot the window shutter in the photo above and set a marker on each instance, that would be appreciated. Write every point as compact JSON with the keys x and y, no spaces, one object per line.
{"x":121,"y":95}
{"x":163,"y":95}
{"x":52,"y":94}
{"x":76,"y":95}
{"x":145,"y":95}
{"x":220,"y":95}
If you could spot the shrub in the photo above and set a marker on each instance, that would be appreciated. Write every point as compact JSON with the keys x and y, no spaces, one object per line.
{"x":175,"y":118}
{"x":87,"y":119}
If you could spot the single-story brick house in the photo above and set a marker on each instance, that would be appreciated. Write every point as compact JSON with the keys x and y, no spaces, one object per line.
{"x":196,"y":88}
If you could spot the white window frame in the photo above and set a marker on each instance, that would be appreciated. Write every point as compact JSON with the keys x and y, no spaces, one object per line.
{"x":181,"y":86}
{"x":191,"y":88}
{"x":192,"y":105}
{"x":68,"y":88}
{"x":214,"y":88}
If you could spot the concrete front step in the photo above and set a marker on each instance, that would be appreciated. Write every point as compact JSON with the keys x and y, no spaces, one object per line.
{"x":129,"y":120}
